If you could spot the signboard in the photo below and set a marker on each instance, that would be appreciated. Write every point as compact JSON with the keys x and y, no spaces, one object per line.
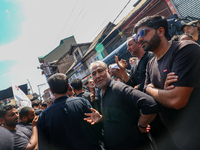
{"x":172,"y":8}
{"x":78,"y":67}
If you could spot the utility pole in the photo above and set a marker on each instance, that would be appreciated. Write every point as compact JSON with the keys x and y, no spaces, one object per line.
{"x":39,"y":89}
{"x":30,"y":86}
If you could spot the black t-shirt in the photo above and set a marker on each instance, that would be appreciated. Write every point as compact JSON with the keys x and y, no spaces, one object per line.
{"x":183,"y":59}
{"x":6,"y":139}
{"x":38,"y":111}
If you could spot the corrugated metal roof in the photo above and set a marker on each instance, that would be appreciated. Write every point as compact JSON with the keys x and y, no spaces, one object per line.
{"x":60,"y":50}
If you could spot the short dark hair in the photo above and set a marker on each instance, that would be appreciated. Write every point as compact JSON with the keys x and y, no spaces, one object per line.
{"x":44,"y":104}
{"x":24,"y":112}
{"x":4,"y":109}
{"x":86,"y":83}
{"x":36,"y":103}
{"x":58,"y":82}
{"x":77,"y":84}
{"x":155,"y":21}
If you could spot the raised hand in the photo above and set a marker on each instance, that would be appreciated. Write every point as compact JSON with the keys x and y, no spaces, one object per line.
{"x":121,"y":64}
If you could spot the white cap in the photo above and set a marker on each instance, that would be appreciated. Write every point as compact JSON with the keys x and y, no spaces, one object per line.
{"x":115,"y":66}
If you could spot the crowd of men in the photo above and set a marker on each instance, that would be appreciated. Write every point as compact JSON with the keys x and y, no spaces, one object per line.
{"x":153,"y":106}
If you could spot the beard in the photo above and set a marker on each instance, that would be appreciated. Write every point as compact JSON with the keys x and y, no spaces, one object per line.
{"x":152,"y":44}
{"x":105,"y":83}
{"x":29,"y":120}
{"x":11,"y":123}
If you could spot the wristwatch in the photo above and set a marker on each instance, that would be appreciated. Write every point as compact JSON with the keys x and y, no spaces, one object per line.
{"x":144,"y":89}
{"x":141,"y":126}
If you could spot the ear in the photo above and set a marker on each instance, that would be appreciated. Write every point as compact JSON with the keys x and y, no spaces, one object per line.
{"x":52,"y":91}
{"x":24,"y":118}
{"x":109,"y":71}
{"x":2,"y":120}
{"x":161,"y":31}
{"x":68,"y":87}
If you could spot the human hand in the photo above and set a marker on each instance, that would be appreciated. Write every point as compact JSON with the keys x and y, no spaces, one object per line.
{"x":34,"y":122}
{"x":92,"y":96}
{"x":151,"y":85}
{"x":171,"y":78}
{"x":145,"y":130}
{"x":136,"y":87}
{"x":121,"y":63}
{"x":93,"y":117}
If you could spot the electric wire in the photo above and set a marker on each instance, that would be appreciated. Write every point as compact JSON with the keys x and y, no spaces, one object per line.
{"x":64,"y":25}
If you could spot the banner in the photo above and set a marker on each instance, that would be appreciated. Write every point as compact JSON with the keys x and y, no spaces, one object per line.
{"x":20,"y":97}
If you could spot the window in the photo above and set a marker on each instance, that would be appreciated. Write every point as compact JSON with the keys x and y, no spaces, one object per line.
{"x":77,"y":55}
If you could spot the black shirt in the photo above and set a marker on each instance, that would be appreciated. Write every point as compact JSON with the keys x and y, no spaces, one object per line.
{"x":95,"y":104}
{"x":183,"y":59}
{"x":61,"y":126}
{"x":38,"y":111}
{"x":121,"y":106}
{"x":138,"y":71}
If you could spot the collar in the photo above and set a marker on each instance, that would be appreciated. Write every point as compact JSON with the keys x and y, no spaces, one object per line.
{"x":24,"y":123}
{"x":59,"y":99}
{"x":110,"y":84}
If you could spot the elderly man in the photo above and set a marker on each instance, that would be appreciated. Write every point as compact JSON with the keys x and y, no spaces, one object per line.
{"x":121,"y":106}
{"x":180,"y":105}
{"x":193,"y":29}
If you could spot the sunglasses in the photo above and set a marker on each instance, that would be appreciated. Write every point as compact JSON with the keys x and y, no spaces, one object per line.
{"x":142,"y":33}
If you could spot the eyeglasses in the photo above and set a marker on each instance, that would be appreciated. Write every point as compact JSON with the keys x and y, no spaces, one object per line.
{"x":142,"y":33}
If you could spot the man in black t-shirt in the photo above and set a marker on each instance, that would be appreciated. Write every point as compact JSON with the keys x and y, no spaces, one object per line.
{"x":6,"y":139}
{"x":179,"y":105}
{"x":137,"y":76}
{"x":36,"y":104}
{"x":9,"y":117}
{"x":26,"y":116}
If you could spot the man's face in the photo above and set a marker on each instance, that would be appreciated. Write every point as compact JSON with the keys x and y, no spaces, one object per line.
{"x":150,"y":39}
{"x":11,"y":117}
{"x":30,"y":116}
{"x":190,"y":30}
{"x":100,"y":75}
{"x":132,"y":47}
{"x":91,"y":84}
{"x":132,"y":60}
{"x":114,"y":72}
